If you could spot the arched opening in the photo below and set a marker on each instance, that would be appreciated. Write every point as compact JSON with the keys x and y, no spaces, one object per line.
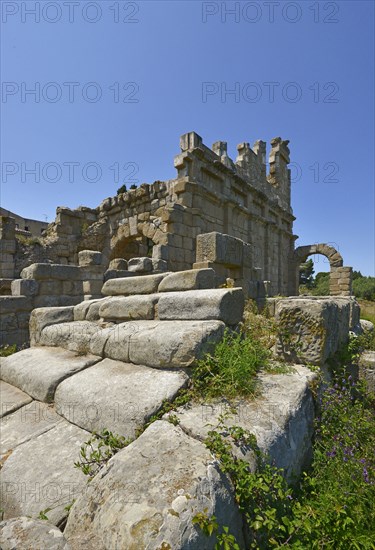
{"x":131,"y":247}
{"x":340,"y":277}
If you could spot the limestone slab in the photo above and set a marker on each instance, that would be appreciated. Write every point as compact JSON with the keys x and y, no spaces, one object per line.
{"x":149,"y":493}
{"x":133,"y":285}
{"x":24,"y":533}
{"x":281,"y":418}
{"x":11,"y":398}
{"x":88,"y":310}
{"x":188,"y":280}
{"x":115,"y":395}
{"x":224,"y":304}
{"x":170,"y":344}
{"x":311,"y":330}
{"x":38,"y":371}
{"x":25,"y":423}
{"x":140,"y":265}
{"x":45,"y":316}
{"x":40,"y":474}
{"x":73,"y":336}
{"x":129,"y":308}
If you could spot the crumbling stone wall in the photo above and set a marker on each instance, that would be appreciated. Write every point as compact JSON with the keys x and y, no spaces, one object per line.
{"x":164,"y":220}
{"x":211,"y":193}
{"x":48,"y":285}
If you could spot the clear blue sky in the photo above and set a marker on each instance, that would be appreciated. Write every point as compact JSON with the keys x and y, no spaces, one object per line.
{"x":319,"y":57}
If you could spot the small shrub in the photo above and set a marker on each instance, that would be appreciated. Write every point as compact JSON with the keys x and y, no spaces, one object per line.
{"x":122,"y":189}
{"x":231,"y":370}
{"x":28,"y":241}
{"x":333,"y":506}
{"x":96,"y":452}
{"x":7,"y":350}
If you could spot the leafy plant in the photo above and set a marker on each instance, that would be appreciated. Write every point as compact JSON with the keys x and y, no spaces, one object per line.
{"x":122,"y":189}
{"x":43,"y":514}
{"x":333,"y":507}
{"x":230,"y":371}
{"x":96,"y":452}
{"x":8,"y":349}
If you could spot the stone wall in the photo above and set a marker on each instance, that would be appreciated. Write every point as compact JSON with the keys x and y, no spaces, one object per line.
{"x":46,"y":285}
{"x":164,"y":221}
{"x":211,"y":193}
{"x":25,"y":225}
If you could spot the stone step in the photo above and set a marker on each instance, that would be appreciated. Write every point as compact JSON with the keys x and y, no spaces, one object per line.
{"x":40,"y":474}
{"x":220,"y":304}
{"x":159,"y":344}
{"x":117,"y":396}
{"x":24,"y":424}
{"x":12,"y":398}
{"x":38,"y":371}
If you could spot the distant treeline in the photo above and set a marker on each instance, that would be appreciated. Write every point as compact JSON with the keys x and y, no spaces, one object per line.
{"x":363,"y":287}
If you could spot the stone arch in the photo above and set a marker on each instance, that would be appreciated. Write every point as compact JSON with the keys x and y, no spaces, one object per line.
{"x":340,"y":281}
{"x":128,"y":247}
{"x":334,"y":257}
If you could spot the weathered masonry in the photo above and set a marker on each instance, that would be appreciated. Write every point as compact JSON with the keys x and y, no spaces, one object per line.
{"x":229,"y":215}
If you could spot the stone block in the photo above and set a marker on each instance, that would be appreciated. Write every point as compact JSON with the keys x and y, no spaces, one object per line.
{"x":7,"y":246}
{"x":117,"y":396}
{"x":8,"y":322}
{"x":88,"y":310}
{"x":119,"y":264}
{"x":40,"y":474}
{"x":171,"y":344}
{"x":23,"y":319}
{"x":160,"y":252}
{"x":25,"y":533}
{"x":223,"y":304}
{"x":160,"y":266}
{"x":92,"y":287}
{"x":50,"y":288}
{"x":100,"y":338}
{"x":12,"y":304}
{"x":42,"y":271}
{"x":367,"y":369}
{"x":188,"y":280}
{"x":43,"y":317}
{"x":173,"y":478}
{"x":219,"y":248}
{"x":7,"y":270}
{"x":7,"y":258}
{"x":282,"y":420}
{"x":5,"y":287}
{"x":73,"y":336}
{"x":91,"y":273}
{"x":12,"y":398}
{"x":311,"y":330}
{"x":117,"y":274}
{"x":129,"y":308}
{"x":89,"y":257}
{"x":140,"y":265}
{"x":38,"y":371}
{"x":27,"y":422}
{"x":68,"y":287}
{"x":147,"y":284}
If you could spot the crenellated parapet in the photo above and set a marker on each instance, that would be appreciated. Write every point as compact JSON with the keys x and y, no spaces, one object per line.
{"x":197,"y":162}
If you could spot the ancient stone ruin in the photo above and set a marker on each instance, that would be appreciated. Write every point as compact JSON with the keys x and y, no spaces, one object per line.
{"x":118,"y":303}
{"x":217,"y":213}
